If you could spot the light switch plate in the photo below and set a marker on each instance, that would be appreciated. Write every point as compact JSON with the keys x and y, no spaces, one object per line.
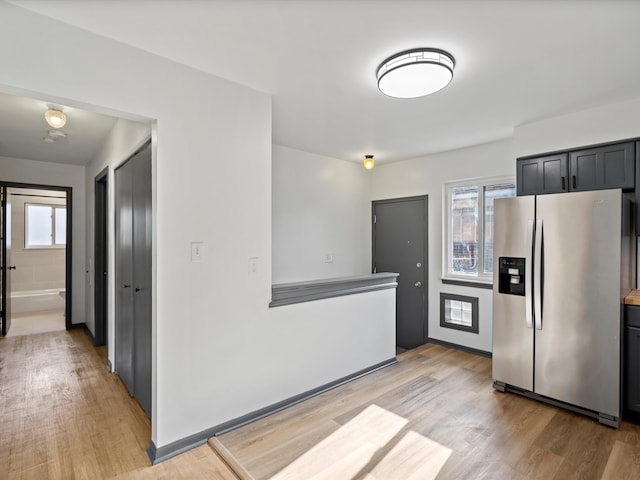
{"x":197,"y":252}
{"x":253,"y":265}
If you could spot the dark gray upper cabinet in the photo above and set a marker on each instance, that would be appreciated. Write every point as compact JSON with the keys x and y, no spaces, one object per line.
{"x":541,"y":175}
{"x":596,"y":168}
{"x":612,"y":166}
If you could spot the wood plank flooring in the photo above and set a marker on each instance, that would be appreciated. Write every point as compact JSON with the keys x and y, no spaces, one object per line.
{"x":432,"y":415}
{"x":64,"y":416}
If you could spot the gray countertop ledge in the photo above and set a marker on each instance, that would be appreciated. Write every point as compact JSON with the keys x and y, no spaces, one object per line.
{"x":298,"y":292}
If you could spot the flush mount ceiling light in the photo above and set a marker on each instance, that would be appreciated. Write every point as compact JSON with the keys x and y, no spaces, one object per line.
{"x":415,"y":73}
{"x":369,"y":162}
{"x":55,"y":118}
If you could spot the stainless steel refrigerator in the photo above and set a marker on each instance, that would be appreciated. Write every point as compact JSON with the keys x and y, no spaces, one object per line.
{"x":562,"y":266}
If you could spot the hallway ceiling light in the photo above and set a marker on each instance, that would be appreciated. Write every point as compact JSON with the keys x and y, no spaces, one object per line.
{"x":369,"y":162}
{"x":55,"y":118}
{"x":415,"y":73}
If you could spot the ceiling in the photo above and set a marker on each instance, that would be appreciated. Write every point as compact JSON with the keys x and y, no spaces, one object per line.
{"x":516,"y":62}
{"x":23,"y":128}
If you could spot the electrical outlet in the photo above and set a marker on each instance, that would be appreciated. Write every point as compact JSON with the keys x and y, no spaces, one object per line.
{"x":328,"y":258}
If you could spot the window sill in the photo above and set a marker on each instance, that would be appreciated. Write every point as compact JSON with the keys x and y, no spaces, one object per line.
{"x":467,"y":283}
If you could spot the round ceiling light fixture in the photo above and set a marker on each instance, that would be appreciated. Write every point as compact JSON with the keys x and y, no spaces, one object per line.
{"x":415,"y":73}
{"x":55,"y":118}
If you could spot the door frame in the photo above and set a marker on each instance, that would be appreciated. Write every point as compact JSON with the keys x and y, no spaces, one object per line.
{"x":68,"y":249}
{"x":425,"y":270}
{"x":101,"y":256}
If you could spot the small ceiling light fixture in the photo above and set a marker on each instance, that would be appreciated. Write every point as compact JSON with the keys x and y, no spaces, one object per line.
{"x":415,"y":73}
{"x":369,"y":162}
{"x":55,"y":118}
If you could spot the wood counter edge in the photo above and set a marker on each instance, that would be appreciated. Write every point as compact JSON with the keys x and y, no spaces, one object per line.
{"x":633,"y":298}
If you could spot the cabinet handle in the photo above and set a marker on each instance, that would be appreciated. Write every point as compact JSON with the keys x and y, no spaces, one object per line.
{"x":563,"y":182}
{"x":573,"y":179}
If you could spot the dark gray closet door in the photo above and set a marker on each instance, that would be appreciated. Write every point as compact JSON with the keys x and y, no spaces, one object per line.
{"x":142,"y":277}
{"x":124,"y":275}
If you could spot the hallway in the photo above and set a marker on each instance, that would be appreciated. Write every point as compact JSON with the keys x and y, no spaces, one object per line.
{"x":64,"y":416}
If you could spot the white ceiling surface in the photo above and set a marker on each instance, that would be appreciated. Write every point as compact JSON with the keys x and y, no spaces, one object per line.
{"x":23,"y":127}
{"x":516,"y":61}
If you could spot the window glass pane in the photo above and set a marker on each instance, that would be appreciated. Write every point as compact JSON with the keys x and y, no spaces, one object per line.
{"x":60,"y":226}
{"x":464,"y":230}
{"x":491,"y":192}
{"x":458,"y":312}
{"x":39,"y":225}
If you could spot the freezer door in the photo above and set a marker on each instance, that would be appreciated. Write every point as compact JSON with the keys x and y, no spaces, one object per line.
{"x":578,"y":344}
{"x":512,"y":336}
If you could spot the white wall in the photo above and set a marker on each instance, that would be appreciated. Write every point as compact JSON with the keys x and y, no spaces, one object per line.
{"x":125,"y":138}
{"x":58,"y":175}
{"x":219,"y":352}
{"x":321,"y":206}
{"x":426,"y":176}
{"x":602,"y":124}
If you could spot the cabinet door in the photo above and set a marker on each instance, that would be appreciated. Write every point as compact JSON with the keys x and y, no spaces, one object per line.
{"x":540,"y":175}
{"x":612,"y":166}
{"x":632,"y":369}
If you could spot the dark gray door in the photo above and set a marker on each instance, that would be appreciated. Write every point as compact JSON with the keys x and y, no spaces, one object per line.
{"x":142,"y":277}
{"x":133,"y":276}
{"x":5,"y":259}
{"x":400,"y":245}
{"x":124,"y":274}
{"x":100,"y":258}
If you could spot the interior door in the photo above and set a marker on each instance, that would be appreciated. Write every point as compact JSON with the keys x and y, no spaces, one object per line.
{"x":400,"y":246}
{"x":5,"y":259}
{"x":124,"y":275}
{"x":142,"y":277}
{"x":100,"y":258}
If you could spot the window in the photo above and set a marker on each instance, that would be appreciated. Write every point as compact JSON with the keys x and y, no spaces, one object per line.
{"x":45,"y":226}
{"x":459,"y":312}
{"x":468,"y":218}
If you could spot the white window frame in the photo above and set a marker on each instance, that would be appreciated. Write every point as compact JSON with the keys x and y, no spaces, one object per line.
{"x":54,"y":234}
{"x":447,"y":244}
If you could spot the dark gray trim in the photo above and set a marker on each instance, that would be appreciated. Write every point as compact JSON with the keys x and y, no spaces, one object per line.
{"x":78,"y":325}
{"x":475,"y":351}
{"x":298,"y":292}
{"x":463,"y":298}
{"x":157,"y":455}
{"x":68,"y":248}
{"x":462,"y":283}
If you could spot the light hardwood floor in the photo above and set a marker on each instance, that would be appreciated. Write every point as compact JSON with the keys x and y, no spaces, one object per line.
{"x":64,"y":416}
{"x":432,"y":415}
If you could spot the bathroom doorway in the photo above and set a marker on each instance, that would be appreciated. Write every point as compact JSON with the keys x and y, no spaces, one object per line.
{"x":38,"y":229}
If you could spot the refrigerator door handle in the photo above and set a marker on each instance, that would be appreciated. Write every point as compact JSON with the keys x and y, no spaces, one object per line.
{"x":528,"y":281}
{"x":537,"y":276}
